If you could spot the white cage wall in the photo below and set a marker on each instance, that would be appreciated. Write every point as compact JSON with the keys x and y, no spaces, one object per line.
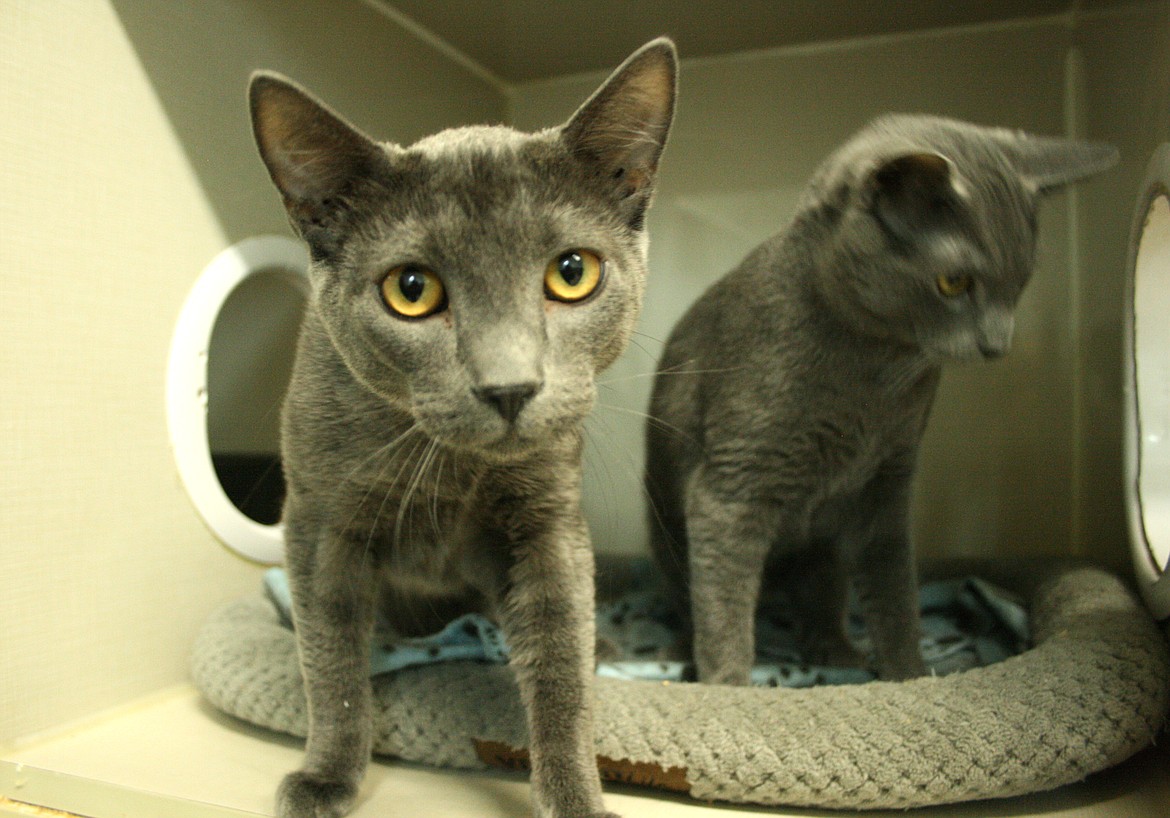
{"x":128,"y":165}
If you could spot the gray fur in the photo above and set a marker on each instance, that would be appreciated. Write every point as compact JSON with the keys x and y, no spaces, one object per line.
{"x":433,"y":465}
{"x":791,"y":398}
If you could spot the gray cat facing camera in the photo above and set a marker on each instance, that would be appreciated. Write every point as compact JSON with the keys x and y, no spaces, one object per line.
{"x":466,"y":291}
{"x":790,"y":400}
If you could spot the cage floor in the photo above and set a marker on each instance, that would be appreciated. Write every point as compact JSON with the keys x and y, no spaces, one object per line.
{"x":176,"y":756}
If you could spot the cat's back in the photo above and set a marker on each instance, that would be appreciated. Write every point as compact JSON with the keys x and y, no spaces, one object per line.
{"x":734,"y":364}
{"x":761,"y":361}
{"x":755,"y":300}
{"x":747,"y":332}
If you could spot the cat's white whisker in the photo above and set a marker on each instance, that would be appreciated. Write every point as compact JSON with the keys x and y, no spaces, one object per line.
{"x":404,"y":502}
{"x":601,"y":465}
{"x":390,"y":448}
{"x":358,"y":509}
{"x":437,"y":481}
{"x":634,"y":344}
{"x":390,"y":492}
{"x":380,"y":451}
{"x":667,"y":373}
{"x":661,"y":424}
{"x":639,"y":475}
{"x":649,"y":337}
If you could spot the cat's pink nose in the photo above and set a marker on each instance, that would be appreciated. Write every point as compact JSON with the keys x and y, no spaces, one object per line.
{"x":510,"y":399}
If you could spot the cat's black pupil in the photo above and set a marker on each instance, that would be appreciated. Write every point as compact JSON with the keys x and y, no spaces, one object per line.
{"x":572,"y":268}
{"x":412,"y":283}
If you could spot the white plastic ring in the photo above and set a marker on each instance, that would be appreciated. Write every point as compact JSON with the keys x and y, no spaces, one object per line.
{"x":1147,"y":385}
{"x":186,"y":398}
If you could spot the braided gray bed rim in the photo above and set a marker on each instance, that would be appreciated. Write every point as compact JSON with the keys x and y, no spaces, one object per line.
{"x":1093,"y":690}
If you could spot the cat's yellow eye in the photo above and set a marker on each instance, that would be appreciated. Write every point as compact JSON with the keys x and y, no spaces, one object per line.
{"x":413,"y":292}
{"x":573,"y":275}
{"x":955,"y":285}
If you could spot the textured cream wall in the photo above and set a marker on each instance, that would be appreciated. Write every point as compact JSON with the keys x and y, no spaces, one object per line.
{"x":125,"y":165}
{"x":999,"y":461}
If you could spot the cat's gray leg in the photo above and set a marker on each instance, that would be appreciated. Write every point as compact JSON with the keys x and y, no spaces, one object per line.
{"x":728,"y":542}
{"x":819,"y":588}
{"x":668,"y":546}
{"x":548,"y":617}
{"x":333,"y":605}
{"x":886,"y":575}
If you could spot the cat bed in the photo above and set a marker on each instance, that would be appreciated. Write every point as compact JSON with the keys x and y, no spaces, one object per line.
{"x":1093,"y":688}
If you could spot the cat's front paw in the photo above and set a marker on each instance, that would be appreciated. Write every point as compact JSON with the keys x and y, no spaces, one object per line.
{"x":305,"y":795}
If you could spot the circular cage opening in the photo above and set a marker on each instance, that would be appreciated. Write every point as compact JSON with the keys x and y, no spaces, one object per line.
{"x":1148,"y":386}
{"x":230,"y":362}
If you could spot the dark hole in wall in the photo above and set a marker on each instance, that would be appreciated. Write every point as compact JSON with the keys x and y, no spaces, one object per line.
{"x":253,"y":482}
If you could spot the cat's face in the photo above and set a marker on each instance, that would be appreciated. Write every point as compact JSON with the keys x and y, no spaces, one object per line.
{"x":504,"y":276}
{"x":951,"y":253}
{"x":480,"y":279}
{"x":936,"y":240}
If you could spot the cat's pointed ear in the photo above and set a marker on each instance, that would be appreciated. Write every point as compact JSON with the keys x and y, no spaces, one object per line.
{"x":1048,"y":163}
{"x":911,"y":192}
{"x":313,"y":155}
{"x":621,"y":130}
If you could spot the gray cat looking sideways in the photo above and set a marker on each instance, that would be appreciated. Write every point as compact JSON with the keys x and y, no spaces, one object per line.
{"x":466,"y":291}
{"x":790,"y":400}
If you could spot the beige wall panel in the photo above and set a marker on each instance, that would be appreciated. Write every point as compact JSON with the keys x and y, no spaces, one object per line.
{"x":125,"y":164}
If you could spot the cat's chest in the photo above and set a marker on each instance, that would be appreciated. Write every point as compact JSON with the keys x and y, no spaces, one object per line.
{"x":875,"y":427}
{"x":851,"y":447}
{"x":413,"y":519}
{"x":841,"y":423}
{"x":410,"y":503}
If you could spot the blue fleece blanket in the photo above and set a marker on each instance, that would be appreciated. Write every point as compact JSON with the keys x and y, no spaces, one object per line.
{"x":966,"y":623}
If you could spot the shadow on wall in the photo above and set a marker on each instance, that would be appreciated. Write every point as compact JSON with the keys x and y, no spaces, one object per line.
{"x":1127,"y":62}
{"x":198,"y":57}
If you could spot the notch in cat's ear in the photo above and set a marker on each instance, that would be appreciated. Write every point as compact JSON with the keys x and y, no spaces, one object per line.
{"x":313,"y":155}
{"x":621,"y":130}
{"x":912,"y":192}
{"x":1047,"y":163}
